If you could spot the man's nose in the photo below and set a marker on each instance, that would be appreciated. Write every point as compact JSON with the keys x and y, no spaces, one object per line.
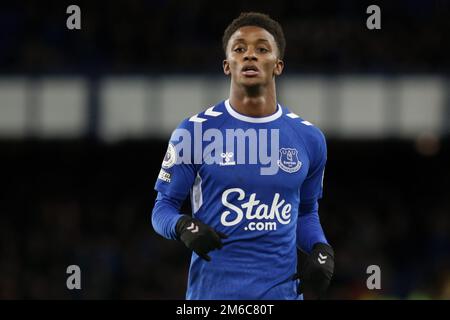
{"x":250,"y":55}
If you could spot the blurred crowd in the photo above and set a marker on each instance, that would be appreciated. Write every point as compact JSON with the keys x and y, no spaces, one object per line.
{"x":90,"y":205}
{"x":185,"y":36}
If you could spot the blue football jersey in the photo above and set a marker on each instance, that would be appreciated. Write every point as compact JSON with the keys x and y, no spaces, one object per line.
{"x":246,"y":177}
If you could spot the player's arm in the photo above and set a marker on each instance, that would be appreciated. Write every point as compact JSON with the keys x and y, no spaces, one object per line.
{"x":173,"y":185}
{"x":316,"y":256}
{"x":169,"y":222}
{"x":165,"y":215}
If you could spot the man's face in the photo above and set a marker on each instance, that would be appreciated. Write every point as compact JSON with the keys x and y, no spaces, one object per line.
{"x":252,"y":57}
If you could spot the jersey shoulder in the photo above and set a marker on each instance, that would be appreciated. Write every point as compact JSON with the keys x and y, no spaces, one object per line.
{"x":211,"y":117}
{"x":311,"y":134}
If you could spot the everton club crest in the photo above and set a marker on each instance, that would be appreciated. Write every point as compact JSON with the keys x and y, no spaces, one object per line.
{"x":288,"y":160}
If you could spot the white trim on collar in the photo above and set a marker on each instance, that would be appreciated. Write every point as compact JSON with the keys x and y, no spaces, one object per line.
{"x":239,"y":116}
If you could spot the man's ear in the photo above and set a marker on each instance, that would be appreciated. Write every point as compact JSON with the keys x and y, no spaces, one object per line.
{"x":226,"y":67}
{"x":279,"y":65}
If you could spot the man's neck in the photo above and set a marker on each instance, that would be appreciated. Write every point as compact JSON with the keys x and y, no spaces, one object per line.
{"x":254,"y":102}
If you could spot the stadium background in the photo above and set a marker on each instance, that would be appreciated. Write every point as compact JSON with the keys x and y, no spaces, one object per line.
{"x":85,"y":117}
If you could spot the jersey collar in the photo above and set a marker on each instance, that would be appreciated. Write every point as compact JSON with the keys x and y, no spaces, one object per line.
{"x":239,"y":116}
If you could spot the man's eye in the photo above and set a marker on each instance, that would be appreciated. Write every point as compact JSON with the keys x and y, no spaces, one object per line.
{"x":264,"y":50}
{"x":239,"y":50}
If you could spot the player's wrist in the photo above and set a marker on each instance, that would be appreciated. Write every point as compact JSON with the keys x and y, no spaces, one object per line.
{"x":198,"y":236}
{"x":323,"y":248}
{"x":317,"y":271}
{"x":182,"y":224}
{"x":322,"y":260}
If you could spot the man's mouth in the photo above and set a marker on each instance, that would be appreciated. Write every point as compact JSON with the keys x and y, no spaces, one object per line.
{"x":250,"y":71}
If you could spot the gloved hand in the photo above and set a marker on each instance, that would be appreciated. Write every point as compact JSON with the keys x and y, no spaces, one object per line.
{"x":315,"y":271}
{"x":198,"y":236}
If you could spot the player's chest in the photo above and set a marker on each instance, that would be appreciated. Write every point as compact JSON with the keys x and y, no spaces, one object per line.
{"x":277,"y":167}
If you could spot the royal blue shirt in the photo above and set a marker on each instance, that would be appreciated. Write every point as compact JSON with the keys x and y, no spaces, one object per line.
{"x":261,"y":190}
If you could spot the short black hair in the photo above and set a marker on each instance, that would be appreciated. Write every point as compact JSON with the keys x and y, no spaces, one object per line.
{"x":258,"y":20}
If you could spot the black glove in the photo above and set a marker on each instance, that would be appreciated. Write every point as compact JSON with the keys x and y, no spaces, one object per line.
{"x":315,"y":271}
{"x":198,"y":236}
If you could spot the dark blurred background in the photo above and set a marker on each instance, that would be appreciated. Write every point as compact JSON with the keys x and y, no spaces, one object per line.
{"x":184,"y":36}
{"x":85,"y":116}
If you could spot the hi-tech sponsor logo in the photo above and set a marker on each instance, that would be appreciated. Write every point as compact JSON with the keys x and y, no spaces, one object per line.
{"x":259,"y":216}
{"x":164,"y":175}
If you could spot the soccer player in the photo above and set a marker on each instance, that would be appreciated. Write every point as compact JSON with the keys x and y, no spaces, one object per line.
{"x":254,"y":171}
